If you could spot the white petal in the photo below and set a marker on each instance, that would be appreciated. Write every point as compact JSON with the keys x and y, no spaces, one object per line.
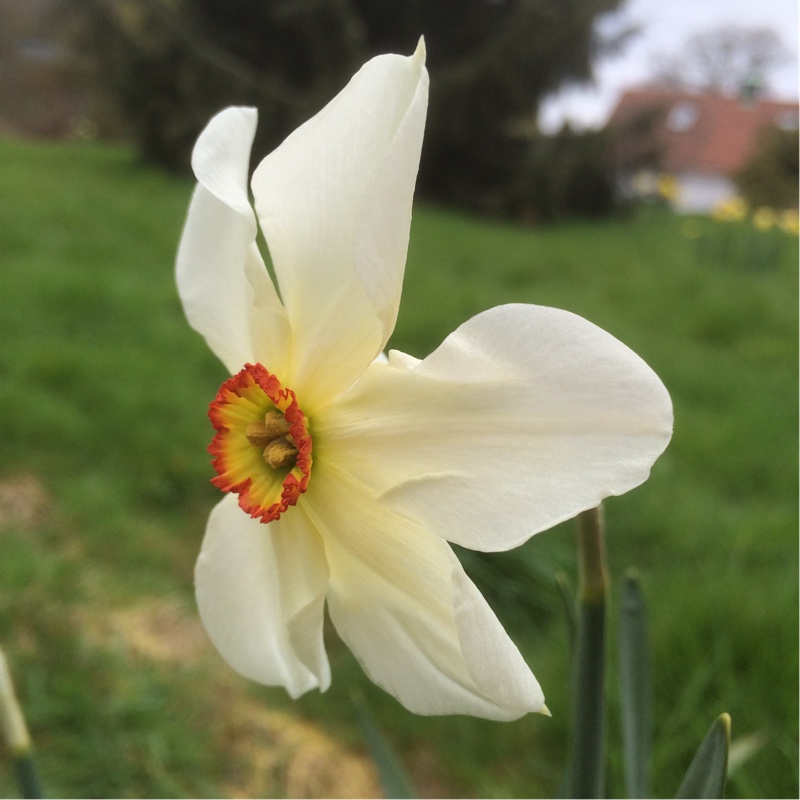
{"x":522,"y":418}
{"x":401,"y":601}
{"x":261,"y":594}
{"x":382,"y":232}
{"x":334,"y":201}
{"x":222,"y":281}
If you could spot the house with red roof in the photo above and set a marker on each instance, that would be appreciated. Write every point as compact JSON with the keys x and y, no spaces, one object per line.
{"x":689,"y":145}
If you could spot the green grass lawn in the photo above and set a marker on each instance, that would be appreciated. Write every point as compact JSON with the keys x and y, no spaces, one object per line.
{"x":104,"y":493}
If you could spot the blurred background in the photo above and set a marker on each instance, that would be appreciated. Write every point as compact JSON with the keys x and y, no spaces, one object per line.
{"x":635,"y":165}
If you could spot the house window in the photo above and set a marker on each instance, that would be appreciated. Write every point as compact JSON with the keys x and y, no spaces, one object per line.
{"x":682,"y":116}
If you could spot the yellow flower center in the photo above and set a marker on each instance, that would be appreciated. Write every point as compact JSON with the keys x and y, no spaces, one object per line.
{"x":262,"y":446}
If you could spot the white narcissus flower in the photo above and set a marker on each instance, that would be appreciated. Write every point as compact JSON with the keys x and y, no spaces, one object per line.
{"x":363,"y":470}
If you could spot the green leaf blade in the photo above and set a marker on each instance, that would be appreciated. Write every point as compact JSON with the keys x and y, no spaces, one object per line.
{"x":393,"y":777}
{"x":635,"y":688}
{"x":708,"y":771}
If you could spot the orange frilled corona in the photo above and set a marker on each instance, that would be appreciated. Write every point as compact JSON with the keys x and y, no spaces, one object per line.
{"x":262,"y":448}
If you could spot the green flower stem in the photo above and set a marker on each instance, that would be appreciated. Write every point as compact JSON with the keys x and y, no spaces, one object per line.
{"x":568,"y":601}
{"x":592,"y":569}
{"x":16,"y":734}
{"x":588,"y":720}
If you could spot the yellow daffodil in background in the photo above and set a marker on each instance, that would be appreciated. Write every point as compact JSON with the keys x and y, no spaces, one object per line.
{"x":733,"y":209}
{"x":668,"y":188}
{"x":789,"y":221}
{"x":347,"y":474}
{"x":764,"y":218}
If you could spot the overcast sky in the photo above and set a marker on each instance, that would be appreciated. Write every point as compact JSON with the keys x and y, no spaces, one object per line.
{"x":665,"y":25}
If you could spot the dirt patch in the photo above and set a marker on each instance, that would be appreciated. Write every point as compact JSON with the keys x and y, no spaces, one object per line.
{"x":270,"y":753}
{"x":24,"y":502}
{"x":161,"y":631}
{"x":274,"y":750}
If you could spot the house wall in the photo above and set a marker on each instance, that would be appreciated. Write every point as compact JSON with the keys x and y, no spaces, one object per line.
{"x":689,"y":192}
{"x":699,"y":193}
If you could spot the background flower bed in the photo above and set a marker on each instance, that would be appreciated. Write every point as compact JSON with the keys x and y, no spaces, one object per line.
{"x":104,"y":496}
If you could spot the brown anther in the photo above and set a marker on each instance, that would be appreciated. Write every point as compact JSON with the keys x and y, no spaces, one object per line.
{"x":279,"y":453}
{"x":256,"y":433}
{"x":262,"y":433}
{"x":275,"y":424}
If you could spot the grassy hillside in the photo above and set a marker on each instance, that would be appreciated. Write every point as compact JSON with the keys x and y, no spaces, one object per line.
{"x":104,"y":494}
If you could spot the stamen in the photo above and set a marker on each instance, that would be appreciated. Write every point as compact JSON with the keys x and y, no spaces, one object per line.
{"x":279,"y":453}
{"x":276,"y":424}
{"x":273,"y":426}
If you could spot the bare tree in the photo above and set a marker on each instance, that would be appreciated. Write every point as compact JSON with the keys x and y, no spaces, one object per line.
{"x":728,"y":60}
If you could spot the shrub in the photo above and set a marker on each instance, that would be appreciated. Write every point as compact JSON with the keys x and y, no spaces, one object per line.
{"x":770,"y":176}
